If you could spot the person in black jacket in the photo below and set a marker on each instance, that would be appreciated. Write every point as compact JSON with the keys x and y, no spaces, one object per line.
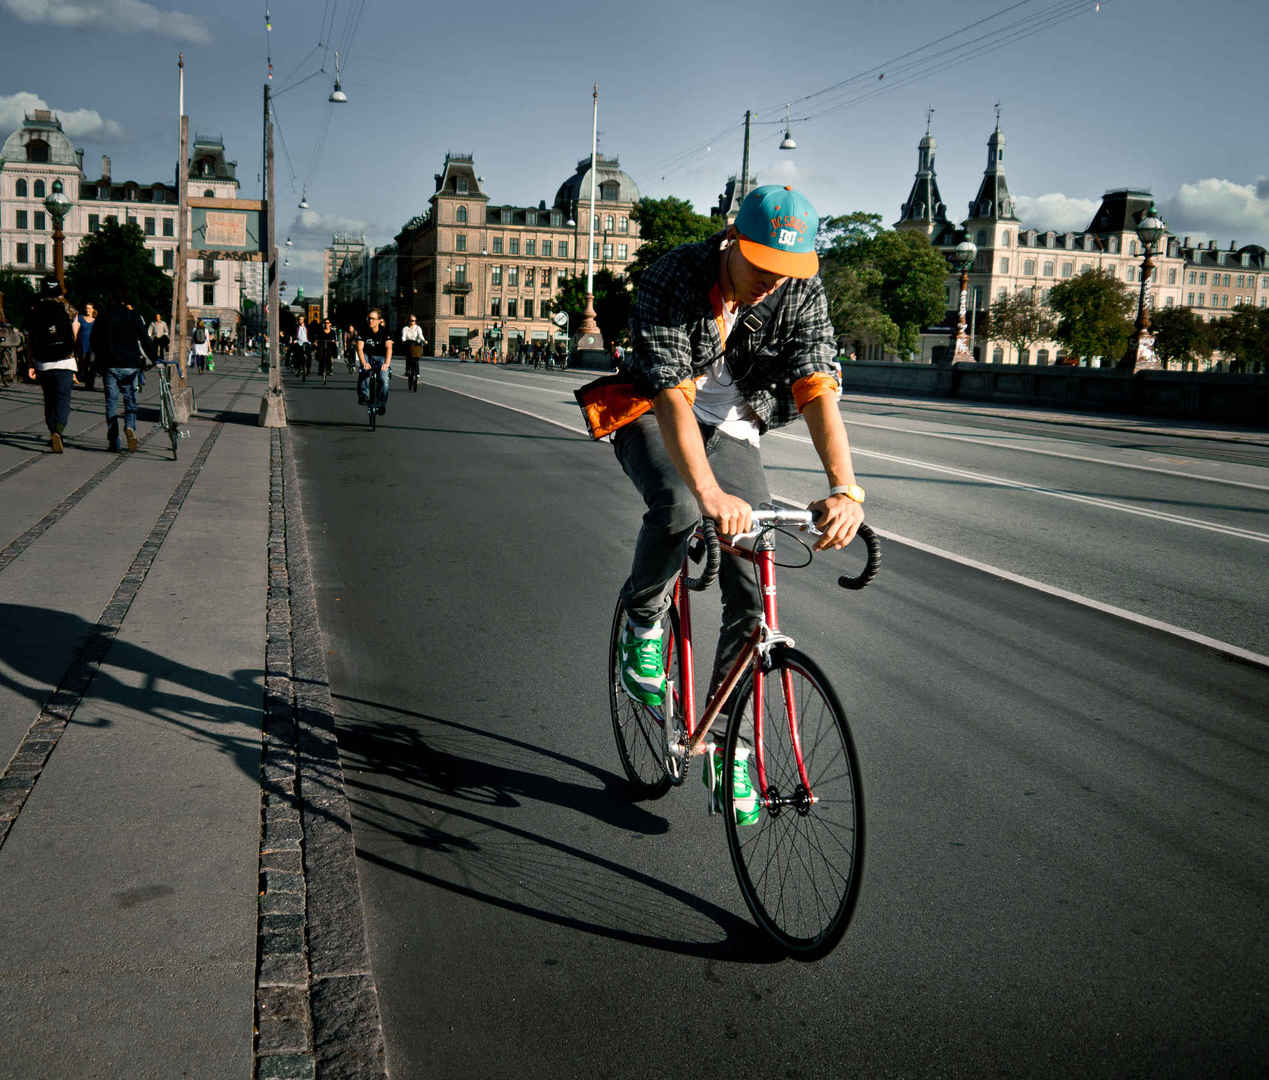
{"x":119,"y":341}
{"x":51,"y":342}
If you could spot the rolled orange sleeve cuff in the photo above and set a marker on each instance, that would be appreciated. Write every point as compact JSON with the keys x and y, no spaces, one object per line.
{"x":688,"y":388}
{"x":809,"y":387}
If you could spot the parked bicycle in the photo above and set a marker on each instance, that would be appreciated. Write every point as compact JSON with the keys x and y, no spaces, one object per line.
{"x":799,"y":865}
{"x":167,"y":410}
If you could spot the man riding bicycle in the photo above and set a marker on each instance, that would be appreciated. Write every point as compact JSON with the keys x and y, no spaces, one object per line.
{"x":731,"y":337}
{"x":374,"y":351}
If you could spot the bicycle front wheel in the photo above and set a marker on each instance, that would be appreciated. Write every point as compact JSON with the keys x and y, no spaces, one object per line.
{"x":799,"y":865}
{"x":641,"y":731}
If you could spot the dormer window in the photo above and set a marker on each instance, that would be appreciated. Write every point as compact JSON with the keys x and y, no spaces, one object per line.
{"x":37,"y":151}
{"x":460,"y":185}
{"x":610,"y":191}
{"x":1112,"y":245}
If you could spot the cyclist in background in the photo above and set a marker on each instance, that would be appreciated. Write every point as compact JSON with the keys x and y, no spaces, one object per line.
{"x":730,"y":337}
{"x":325,"y":345}
{"x":374,"y":351}
{"x":413,"y":340}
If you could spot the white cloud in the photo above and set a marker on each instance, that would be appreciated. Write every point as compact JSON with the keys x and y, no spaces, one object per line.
{"x":1061,"y":213}
{"x":314,"y":230}
{"x":77,"y":123}
{"x":120,"y":16}
{"x":1220,"y":209}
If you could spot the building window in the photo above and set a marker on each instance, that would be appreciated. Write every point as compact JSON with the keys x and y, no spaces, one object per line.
{"x":1004,"y":238}
{"x":1172,"y":276}
{"x":530,"y":247}
{"x":495,"y":307}
{"x":610,"y":191}
{"x":1189,"y":299}
{"x":528,"y":276}
{"x":168,"y":226}
{"x":460,"y":274}
{"x":1128,"y":274}
{"x":607,"y":251}
{"x":1226,"y":281}
{"x":563,"y":249}
{"x":528,"y":308}
{"x":504,"y":215}
{"x":609,"y":223}
{"x":546,"y":248}
{"x":1004,"y":266}
{"x":1189,"y":280}
{"x":1203,"y":278}
{"x":1048,"y":269}
{"x":557,"y":218}
{"x":981,"y":238}
{"x":22,"y":221}
{"x":1068,"y":269}
{"x":594,"y":249}
{"x":460,"y":242}
{"x":169,"y":259}
{"x":460,"y":304}
{"x":460,"y":185}
{"x":40,"y":224}
{"x":1024,"y":356}
{"x":1200,"y":300}
{"x":1112,"y":245}
{"x":41,"y":255}
{"x":622,"y":251}
{"x":1028,"y":267}
{"x":623,"y":225}
{"x":496,"y":275}
{"x":38,"y":190}
{"x":513,"y":275}
{"x":19,"y":189}
{"x":24,"y":254}
{"x":460,"y":215}
{"x":1167,"y":302}
{"x":149,"y":226}
{"x":513,"y":245}
{"x":1042,"y":357}
{"x":997,"y":355}
{"x":497,"y":245}
{"x":512,"y":308}
{"x":94,"y":223}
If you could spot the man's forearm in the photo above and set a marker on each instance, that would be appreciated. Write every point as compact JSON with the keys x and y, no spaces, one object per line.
{"x":828,"y":433}
{"x":682,"y":437}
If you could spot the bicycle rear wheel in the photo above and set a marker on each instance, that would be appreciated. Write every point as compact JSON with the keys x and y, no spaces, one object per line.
{"x":641,"y":731}
{"x":799,"y":866}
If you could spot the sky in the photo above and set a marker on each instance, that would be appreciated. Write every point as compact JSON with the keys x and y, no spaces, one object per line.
{"x":1161,"y":95}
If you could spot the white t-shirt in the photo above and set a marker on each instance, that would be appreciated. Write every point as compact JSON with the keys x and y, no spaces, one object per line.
{"x":413,"y":333}
{"x":719,"y":402}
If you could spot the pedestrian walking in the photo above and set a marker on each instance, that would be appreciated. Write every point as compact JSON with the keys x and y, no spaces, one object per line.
{"x":10,"y":346}
{"x":159,"y":338}
{"x":121,"y":338}
{"x":84,"y":324}
{"x":51,"y":340}
{"x":202,"y":345}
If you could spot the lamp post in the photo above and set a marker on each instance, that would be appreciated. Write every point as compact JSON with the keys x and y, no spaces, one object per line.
{"x":1140,"y":353}
{"x":58,"y":205}
{"x":964,"y":258}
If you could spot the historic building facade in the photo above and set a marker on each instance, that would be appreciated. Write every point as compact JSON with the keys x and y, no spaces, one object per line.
{"x":39,"y":152}
{"x":1013,"y":257}
{"x":479,"y":274}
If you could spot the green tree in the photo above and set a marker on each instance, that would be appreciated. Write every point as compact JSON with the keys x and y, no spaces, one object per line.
{"x":846,"y":230}
{"x":613,"y":301}
{"x":665,"y":224}
{"x":906,"y":285}
{"x":1243,"y":336}
{"x":1095,"y":315}
{"x":115,"y":261}
{"x":18,"y":292}
{"x":1180,"y":336}
{"x":1021,"y":319}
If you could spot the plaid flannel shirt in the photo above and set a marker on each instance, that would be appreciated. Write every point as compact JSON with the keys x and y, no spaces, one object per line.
{"x":676,"y":338}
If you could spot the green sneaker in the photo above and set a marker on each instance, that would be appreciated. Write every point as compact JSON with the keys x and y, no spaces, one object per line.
{"x":643,"y":663}
{"x":744,"y":798}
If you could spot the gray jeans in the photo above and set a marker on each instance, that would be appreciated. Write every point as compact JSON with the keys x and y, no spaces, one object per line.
{"x":671,"y":518}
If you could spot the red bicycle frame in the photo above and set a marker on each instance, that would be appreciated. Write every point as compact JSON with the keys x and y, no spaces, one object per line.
{"x":765,"y":635}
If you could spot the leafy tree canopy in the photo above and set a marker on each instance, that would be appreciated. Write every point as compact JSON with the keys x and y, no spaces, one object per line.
{"x":18,"y":292}
{"x":1243,"y":336}
{"x":846,"y":230}
{"x":613,"y":302}
{"x":1094,"y":314}
{"x":115,"y":263}
{"x":1021,"y":319}
{"x":665,"y":224}
{"x":1180,"y":336}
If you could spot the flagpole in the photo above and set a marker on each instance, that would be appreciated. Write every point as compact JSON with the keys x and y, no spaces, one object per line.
{"x":589,"y":337}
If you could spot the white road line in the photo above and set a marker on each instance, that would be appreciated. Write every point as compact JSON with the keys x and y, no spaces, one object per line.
{"x":518,"y":386}
{"x":855,"y":422}
{"x":1053,"y":493}
{"x":1018,"y":579}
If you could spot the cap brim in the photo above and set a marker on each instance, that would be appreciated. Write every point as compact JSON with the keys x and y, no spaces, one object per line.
{"x":797,"y":264}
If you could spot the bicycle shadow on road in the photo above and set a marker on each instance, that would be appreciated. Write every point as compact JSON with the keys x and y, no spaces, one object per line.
{"x":423,"y":786}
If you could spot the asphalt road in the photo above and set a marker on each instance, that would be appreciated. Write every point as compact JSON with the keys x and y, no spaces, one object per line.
{"x":1066,"y":870}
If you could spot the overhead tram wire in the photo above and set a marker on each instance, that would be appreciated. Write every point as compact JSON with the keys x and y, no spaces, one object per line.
{"x":914,"y":65}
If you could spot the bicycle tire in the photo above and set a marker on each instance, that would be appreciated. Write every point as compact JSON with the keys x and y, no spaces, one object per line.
{"x":800,"y":865}
{"x":639,"y":732}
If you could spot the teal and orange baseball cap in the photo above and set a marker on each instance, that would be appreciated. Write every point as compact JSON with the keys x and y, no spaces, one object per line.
{"x":777,"y":228}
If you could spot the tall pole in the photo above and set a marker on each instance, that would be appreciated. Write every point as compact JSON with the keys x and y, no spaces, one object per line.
{"x":589,"y":337}
{"x":960,"y":348}
{"x":744,"y":164}
{"x":182,"y":397}
{"x":273,"y":407}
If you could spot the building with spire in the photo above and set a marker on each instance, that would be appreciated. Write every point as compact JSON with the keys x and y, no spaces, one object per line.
{"x":1014,"y":257}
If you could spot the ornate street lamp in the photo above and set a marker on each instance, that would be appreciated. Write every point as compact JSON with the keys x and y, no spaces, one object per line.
{"x":963,"y":257}
{"x":58,"y":206}
{"x":1140,"y":352}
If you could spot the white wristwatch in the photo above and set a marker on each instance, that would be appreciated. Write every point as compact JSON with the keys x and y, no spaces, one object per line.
{"x":852,"y":491}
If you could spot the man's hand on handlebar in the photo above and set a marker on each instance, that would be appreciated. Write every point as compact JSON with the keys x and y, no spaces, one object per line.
{"x":732,"y":515}
{"x":838,"y":518}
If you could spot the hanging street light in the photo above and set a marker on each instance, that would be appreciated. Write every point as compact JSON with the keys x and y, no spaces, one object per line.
{"x":58,"y":206}
{"x":788,"y":142}
{"x":304,"y":201}
{"x":337,"y":96}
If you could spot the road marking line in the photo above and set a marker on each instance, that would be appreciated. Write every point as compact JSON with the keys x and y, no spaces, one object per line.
{"x":855,"y":422}
{"x":986,"y":568}
{"x":511,"y":408}
{"x":1089,"y":500}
